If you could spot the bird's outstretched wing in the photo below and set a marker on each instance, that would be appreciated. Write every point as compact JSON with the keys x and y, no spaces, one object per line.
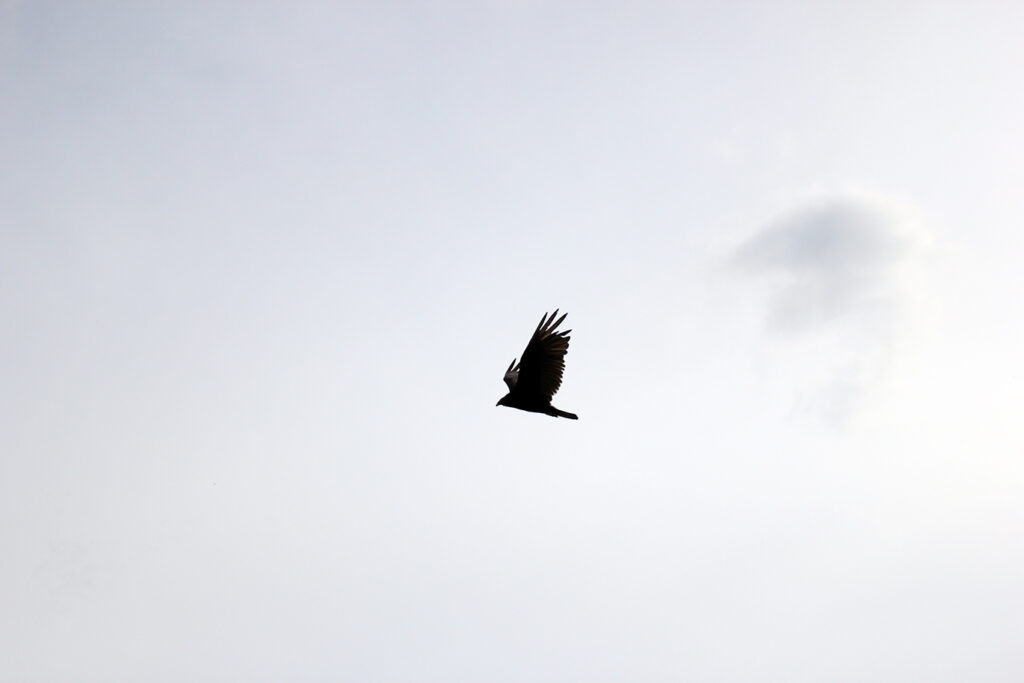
{"x":512,"y":375}
{"x":540,"y":370}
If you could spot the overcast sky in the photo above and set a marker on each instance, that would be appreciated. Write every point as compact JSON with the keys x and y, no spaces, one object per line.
{"x":263,"y":265}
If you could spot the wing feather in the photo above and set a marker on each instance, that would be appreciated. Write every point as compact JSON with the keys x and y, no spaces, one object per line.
{"x":512,"y":375}
{"x":543,"y":361}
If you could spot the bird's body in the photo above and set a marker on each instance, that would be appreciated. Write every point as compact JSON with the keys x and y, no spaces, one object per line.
{"x":537,"y":377}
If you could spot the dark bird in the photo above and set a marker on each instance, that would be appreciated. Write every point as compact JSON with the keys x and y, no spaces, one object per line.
{"x":533,"y":382}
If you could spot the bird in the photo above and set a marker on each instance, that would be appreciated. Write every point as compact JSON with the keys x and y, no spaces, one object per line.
{"x":536,"y":378}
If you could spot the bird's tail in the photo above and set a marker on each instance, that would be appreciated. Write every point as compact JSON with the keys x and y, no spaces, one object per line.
{"x":562,"y":413}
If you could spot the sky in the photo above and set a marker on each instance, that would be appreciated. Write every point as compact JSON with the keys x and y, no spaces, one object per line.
{"x":263,"y":265}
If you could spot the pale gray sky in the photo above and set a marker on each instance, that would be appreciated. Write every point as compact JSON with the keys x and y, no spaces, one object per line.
{"x":262,"y":266}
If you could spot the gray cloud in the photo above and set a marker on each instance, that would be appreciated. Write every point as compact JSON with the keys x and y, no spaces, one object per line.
{"x":839,"y":273}
{"x":831,"y":258}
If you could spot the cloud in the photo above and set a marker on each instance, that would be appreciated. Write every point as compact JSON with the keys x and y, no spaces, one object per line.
{"x":840,"y":273}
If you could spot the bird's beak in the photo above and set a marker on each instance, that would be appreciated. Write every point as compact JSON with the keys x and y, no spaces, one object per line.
{"x":498,"y":403}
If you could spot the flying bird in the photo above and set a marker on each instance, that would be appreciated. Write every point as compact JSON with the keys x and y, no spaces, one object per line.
{"x":536,"y":378}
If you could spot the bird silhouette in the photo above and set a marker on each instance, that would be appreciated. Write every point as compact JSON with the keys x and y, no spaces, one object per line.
{"x":533,"y":382}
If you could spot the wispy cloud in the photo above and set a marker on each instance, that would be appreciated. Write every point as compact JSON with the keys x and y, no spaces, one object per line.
{"x":841,"y":289}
